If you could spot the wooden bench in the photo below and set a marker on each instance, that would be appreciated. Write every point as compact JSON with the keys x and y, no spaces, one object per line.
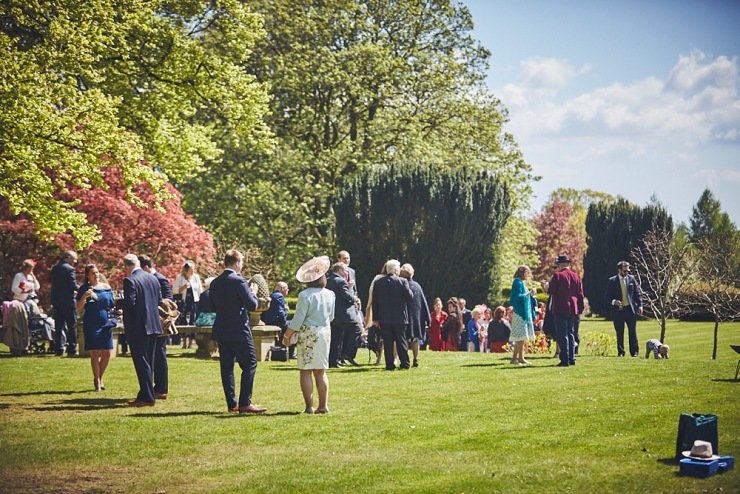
{"x":264,"y":338}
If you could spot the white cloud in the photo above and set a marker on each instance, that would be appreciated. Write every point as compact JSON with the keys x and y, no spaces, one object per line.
{"x":698,"y":102}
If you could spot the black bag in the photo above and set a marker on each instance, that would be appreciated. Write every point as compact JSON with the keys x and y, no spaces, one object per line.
{"x":278,"y":354}
{"x":693,"y":426}
{"x":373,"y":339}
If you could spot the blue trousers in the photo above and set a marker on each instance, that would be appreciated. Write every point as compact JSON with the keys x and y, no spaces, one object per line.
{"x":244,"y":354}
{"x":65,"y":316}
{"x":142,"y":354}
{"x":160,"y":369}
{"x":565,"y":335}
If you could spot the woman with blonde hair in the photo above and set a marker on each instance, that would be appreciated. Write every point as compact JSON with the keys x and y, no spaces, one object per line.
{"x":522,"y":328}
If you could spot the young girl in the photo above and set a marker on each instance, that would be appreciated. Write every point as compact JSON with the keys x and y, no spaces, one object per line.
{"x":473,"y":329}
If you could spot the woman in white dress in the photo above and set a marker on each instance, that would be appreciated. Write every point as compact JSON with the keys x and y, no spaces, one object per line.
{"x":311,"y":324}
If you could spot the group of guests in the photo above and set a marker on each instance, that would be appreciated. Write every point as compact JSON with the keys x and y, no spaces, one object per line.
{"x":327,"y":323}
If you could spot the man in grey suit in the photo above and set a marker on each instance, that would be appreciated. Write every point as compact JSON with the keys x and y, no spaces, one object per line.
{"x":345,"y":317}
{"x":141,"y":297}
{"x":232,"y":299}
{"x":624,"y":297}
{"x":391,"y":295}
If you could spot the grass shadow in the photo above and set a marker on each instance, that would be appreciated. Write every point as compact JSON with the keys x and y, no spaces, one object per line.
{"x":231,"y":415}
{"x":38,"y":393}
{"x":492,"y":364}
{"x":81,"y":404}
{"x":719,"y":381}
{"x":191,"y":355}
{"x":174,"y":414}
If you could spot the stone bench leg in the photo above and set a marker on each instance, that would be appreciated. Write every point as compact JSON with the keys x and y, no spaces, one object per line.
{"x":207,"y":348}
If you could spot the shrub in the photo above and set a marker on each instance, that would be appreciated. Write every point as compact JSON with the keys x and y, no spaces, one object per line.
{"x":598,"y":344}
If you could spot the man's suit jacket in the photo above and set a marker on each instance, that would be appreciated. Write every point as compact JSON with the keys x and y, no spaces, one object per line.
{"x":344,"y":306}
{"x":391,"y":295}
{"x":164,"y":285}
{"x":277,"y":313}
{"x":614,"y":292}
{"x":419,"y":315}
{"x":232,"y":300}
{"x":141,"y":297}
{"x":566,"y":291}
{"x":63,"y":285}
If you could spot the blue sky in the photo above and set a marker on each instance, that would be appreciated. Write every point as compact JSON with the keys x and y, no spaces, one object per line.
{"x":636,"y":98}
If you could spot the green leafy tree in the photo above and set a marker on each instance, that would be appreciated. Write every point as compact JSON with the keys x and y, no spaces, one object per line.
{"x":152,"y":87}
{"x":614,"y":229}
{"x":355,"y":84}
{"x":708,"y":223}
{"x":447,"y":224}
{"x":517,"y":247}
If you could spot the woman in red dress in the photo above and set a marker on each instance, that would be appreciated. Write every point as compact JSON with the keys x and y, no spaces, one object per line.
{"x":452,"y":326}
{"x":435,"y":328}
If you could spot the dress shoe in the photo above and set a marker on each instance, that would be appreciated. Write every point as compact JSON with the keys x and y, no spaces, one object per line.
{"x":160,"y":396}
{"x":139,"y":403}
{"x":351,"y":361}
{"x":562,"y":364}
{"x":416,"y":363}
{"x":234,"y":409}
{"x":252,"y":409}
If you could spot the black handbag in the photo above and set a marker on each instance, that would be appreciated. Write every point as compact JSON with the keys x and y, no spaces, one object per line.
{"x":693,"y":426}
{"x":278,"y":354}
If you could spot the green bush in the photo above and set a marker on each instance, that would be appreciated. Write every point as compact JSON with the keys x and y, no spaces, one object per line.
{"x":598,"y":344}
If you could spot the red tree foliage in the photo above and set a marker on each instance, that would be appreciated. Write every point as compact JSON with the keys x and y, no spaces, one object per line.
{"x":169,"y":236}
{"x":560,"y":233}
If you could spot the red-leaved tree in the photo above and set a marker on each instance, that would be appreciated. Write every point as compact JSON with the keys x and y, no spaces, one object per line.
{"x":169,"y":236}
{"x":560,"y":233}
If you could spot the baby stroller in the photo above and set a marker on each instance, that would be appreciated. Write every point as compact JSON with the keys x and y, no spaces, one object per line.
{"x":40,"y":330}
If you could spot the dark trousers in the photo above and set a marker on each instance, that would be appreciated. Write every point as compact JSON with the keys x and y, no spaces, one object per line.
{"x":395,"y":334}
{"x":564,"y":332}
{"x":337,"y":342}
{"x":620,"y":318}
{"x":160,"y":369}
{"x":65,"y":319}
{"x":142,"y":354}
{"x":349,"y":346}
{"x":244,"y":354}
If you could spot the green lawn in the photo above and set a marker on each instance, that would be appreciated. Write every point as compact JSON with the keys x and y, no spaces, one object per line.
{"x":459,"y":423}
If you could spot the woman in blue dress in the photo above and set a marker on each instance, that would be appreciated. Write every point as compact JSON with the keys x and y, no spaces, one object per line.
{"x":522,"y":327}
{"x":95,"y":297}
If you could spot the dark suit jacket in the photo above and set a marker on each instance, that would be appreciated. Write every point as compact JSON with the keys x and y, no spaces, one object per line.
{"x":164,"y":285}
{"x":141,"y":297}
{"x":232,"y":300}
{"x":419,"y":314}
{"x":345,"y":310}
{"x":391,"y":295}
{"x":63,"y":285}
{"x":277,"y":313}
{"x":566,"y":292}
{"x":614,"y":292}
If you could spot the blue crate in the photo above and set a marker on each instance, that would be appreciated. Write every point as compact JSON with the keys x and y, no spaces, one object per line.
{"x":726,"y":463}
{"x":698,"y":468}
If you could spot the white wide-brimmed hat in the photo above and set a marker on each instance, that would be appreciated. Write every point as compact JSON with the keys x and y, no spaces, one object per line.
{"x":701,"y":450}
{"x":313,"y":269}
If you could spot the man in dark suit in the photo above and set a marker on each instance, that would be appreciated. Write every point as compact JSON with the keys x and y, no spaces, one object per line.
{"x":277,"y":312}
{"x":624,"y":297}
{"x":63,"y":290}
{"x":566,"y":292}
{"x":391,"y":295}
{"x":141,"y":297}
{"x":232,"y":299}
{"x":160,"y":368}
{"x":345,"y":317}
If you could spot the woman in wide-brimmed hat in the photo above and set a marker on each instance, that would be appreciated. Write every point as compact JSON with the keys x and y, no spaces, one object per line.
{"x":311,"y":323}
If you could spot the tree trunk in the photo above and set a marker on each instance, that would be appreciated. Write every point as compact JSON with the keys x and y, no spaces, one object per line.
{"x":716,"y":330}
{"x":662,"y":329}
